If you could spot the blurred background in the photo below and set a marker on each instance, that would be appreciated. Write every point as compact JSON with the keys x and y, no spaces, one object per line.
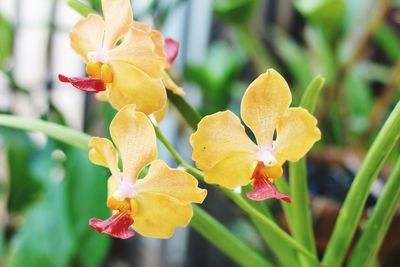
{"x":48,"y":190}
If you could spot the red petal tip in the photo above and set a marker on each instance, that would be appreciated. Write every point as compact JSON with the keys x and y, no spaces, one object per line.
{"x":263,"y":190}
{"x":171,"y":47}
{"x":116,"y":226}
{"x":86,"y":84}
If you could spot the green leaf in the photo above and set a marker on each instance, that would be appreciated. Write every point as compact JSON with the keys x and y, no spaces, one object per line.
{"x":23,"y":188}
{"x":322,"y":52}
{"x":271,"y":227}
{"x":295,"y":58}
{"x":215,"y":78}
{"x":81,"y":177}
{"x":80,"y":7}
{"x":220,"y":237}
{"x":360,"y":100}
{"x":300,"y":213}
{"x":46,"y":238}
{"x":7,"y":38}
{"x":327,"y":14}
{"x":378,"y":223}
{"x":234,"y":11}
{"x":95,"y":4}
{"x":388,"y":40}
{"x":60,"y":133}
{"x":352,"y":208}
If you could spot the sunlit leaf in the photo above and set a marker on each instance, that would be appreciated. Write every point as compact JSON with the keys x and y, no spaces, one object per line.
{"x":6,"y":43}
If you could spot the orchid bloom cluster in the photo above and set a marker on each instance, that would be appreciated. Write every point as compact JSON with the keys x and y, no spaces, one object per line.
{"x":127,"y":65}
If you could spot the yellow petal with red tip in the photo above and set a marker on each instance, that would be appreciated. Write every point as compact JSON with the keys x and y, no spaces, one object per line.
{"x":134,"y":136}
{"x":87,"y":35}
{"x":174,"y":183}
{"x":132,"y":86}
{"x":158,"y":215}
{"x":118,"y":18}
{"x":219,"y":136}
{"x":265,"y":101}
{"x":233,"y":171}
{"x":102,"y":152}
{"x":138,"y":49}
{"x":297,"y":131}
{"x":171,"y":85}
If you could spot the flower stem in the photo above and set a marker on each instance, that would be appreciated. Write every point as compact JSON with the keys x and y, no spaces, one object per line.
{"x":352,"y":208}
{"x":191,"y":116}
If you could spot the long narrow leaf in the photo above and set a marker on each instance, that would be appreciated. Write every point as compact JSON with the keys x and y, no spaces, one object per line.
{"x":301,"y":225}
{"x":220,"y":237}
{"x":371,"y":239}
{"x":352,"y":208}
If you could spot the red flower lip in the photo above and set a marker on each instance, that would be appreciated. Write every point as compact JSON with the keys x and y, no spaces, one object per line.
{"x":116,"y":226}
{"x":262,"y":190}
{"x":86,"y":84}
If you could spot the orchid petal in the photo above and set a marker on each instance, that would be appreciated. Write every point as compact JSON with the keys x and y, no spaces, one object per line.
{"x":219,"y":136}
{"x":103,"y":153}
{"x":134,"y":136}
{"x":265,"y":101}
{"x":174,"y":183}
{"x":297,"y":131}
{"x":86,"y":84}
{"x":116,"y":226}
{"x":232,"y":171}
{"x":118,"y":18}
{"x":87,"y":35}
{"x":171,"y":85}
{"x":138,"y":49}
{"x":159,"y":214}
{"x":262,"y":190}
{"x":133,"y":86}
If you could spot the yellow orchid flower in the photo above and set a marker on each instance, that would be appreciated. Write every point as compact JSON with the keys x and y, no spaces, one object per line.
{"x":153,"y":206}
{"x":125,"y":60}
{"x":228,"y":157}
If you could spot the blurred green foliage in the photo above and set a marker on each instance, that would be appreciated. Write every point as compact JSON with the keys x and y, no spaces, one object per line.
{"x":54,"y":230}
{"x":6,"y":44}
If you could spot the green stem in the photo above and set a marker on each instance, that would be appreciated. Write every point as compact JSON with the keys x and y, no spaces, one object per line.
{"x":241,"y":202}
{"x":220,"y":236}
{"x":191,"y":116}
{"x":80,"y":7}
{"x":351,"y":211}
{"x":301,"y":227}
{"x":55,"y":131}
{"x":204,"y":223}
{"x":372,"y":236}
